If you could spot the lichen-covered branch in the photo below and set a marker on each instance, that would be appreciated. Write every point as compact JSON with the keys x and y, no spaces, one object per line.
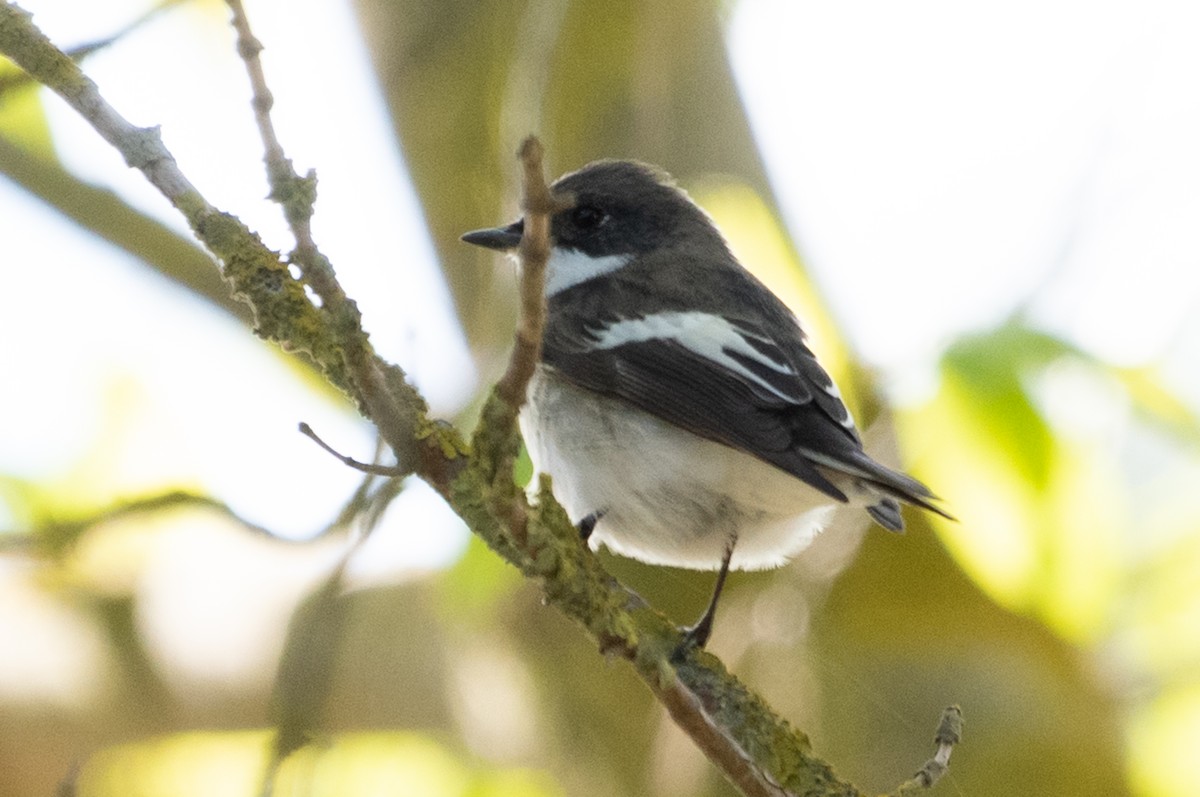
{"x":757,"y":750}
{"x":397,"y":409}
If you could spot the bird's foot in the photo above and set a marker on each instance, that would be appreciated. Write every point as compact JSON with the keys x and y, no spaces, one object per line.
{"x":588,"y":524}
{"x":695,"y":637}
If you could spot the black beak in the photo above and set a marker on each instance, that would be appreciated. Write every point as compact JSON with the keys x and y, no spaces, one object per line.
{"x":501,"y":238}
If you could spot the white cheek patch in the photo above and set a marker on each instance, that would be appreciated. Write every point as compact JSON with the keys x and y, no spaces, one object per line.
{"x":569,"y":267}
{"x":707,"y":335}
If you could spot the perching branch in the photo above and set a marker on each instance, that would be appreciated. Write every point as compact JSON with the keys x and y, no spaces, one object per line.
{"x":760,"y":753}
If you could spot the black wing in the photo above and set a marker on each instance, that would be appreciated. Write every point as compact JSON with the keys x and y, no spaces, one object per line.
{"x":762,"y":393}
{"x":752,"y":396}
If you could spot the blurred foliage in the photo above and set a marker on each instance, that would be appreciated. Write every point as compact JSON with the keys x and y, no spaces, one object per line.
{"x":1065,"y":623}
{"x":23,"y":119}
{"x":1018,"y":536}
{"x":231,"y":764}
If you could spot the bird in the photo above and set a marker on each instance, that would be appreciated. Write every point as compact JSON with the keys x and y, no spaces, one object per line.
{"x":677,"y":406}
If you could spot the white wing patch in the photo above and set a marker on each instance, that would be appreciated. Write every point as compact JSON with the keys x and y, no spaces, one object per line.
{"x":832,"y":390}
{"x":707,"y":335}
{"x":569,"y":267}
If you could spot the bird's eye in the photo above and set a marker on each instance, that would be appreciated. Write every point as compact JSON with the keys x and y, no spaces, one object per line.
{"x":588,"y":217}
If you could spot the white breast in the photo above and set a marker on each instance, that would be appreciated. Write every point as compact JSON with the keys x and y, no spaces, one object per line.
{"x":667,"y":496}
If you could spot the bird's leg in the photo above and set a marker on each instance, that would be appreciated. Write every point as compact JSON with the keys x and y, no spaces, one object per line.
{"x":697,"y":635}
{"x":588,"y":525}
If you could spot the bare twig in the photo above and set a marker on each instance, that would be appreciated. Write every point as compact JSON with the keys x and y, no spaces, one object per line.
{"x":397,"y":420}
{"x":949,"y":733}
{"x":501,"y":445}
{"x":280,"y":172}
{"x":534,"y":251}
{"x":365,"y":467}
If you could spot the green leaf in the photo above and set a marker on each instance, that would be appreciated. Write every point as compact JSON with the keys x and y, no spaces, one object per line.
{"x":22,"y":116}
{"x":1040,"y":512}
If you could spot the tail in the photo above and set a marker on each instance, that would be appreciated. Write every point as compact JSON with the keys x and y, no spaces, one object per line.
{"x":893,"y":485}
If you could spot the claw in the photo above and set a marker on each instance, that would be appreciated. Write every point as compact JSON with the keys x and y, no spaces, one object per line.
{"x":588,"y":525}
{"x":696,"y":636}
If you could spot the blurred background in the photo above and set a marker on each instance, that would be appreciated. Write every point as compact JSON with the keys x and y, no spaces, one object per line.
{"x":985,"y":214}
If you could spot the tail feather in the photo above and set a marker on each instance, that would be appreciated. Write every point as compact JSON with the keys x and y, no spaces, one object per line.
{"x":889,"y":482}
{"x":887,"y":514}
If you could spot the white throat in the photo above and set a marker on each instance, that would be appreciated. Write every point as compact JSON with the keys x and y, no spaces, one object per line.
{"x":569,"y":267}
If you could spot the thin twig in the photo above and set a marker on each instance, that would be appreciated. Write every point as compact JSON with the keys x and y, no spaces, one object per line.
{"x":539,"y":205}
{"x":395,"y":419}
{"x":949,"y":733}
{"x":279,"y":168}
{"x":365,"y":467}
{"x":534,"y":251}
{"x":295,"y":194}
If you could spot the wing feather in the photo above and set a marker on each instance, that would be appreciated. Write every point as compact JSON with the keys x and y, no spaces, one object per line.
{"x":715,"y":370}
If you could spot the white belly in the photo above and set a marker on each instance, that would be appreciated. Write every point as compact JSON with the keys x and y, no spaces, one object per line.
{"x":665,"y":496}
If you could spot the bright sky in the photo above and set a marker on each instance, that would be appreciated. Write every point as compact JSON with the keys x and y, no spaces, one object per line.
{"x":952,"y":159}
